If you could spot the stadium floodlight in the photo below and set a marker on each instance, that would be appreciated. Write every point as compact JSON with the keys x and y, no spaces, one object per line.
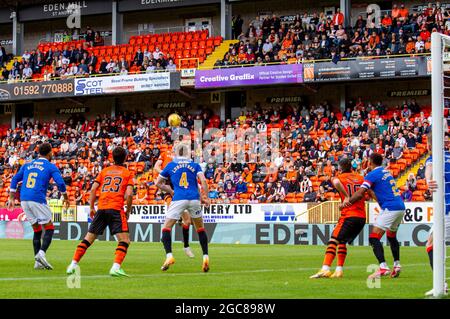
{"x":439,"y":44}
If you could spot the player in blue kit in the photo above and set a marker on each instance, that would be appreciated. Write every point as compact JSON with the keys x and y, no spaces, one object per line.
{"x":184,"y":173}
{"x":380,"y":181}
{"x":36,"y":176}
{"x":432,"y":185}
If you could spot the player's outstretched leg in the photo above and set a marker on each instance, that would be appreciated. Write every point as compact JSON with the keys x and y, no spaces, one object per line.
{"x":395,"y":249}
{"x":80,"y":251}
{"x":374,"y":241}
{"x":121,"y":252}
{"x":40,"y":257}
{"x":341,"y":255}
{"x":37,"y":229}
{"x":166,"y":239}
{"x":330,"y":254}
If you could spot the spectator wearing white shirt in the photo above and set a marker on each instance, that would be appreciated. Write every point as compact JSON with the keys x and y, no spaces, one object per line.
{"x":26,"y":55}
{"x":401,"y":140}
{"x":305,"y":184}
{"x":171,"y":67}
{"x":82,"y":170}
{"x":27,"y":72}
{"x":420,"y":45}
{"x":156,"y":53}
{"x":110,"y":65}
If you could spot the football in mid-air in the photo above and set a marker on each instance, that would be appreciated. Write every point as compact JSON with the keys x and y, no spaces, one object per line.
{"x":174,"y":120}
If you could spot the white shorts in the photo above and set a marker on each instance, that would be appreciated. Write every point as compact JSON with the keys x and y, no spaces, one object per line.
{"x":177,"y":208}
{"x":446,"y":228}
{"x":36,"y":212}
{"x":389,"y":219}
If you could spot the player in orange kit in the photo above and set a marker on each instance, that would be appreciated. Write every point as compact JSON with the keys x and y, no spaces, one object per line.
{"x":115,"y":184}
{"x":185,"y":221}
{"x":350,"y":224}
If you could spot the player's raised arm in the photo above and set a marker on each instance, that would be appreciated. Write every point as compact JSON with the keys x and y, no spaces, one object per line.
{"x":13,"y":188}
{"x":57,"y":177}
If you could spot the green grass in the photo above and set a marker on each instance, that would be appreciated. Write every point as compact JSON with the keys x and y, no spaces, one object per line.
{"x":237,"y":271}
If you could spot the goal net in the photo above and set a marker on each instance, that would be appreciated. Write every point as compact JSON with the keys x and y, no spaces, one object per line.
{"x":440,"y":88}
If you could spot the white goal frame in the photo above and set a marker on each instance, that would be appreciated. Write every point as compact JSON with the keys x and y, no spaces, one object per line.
{"x":437,"y":101}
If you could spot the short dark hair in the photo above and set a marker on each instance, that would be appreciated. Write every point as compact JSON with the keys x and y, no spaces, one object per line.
{"x":376,"y":159}
{"x":45,"y":149}
{"x":346,"y":165}
{"x":119,"y":155}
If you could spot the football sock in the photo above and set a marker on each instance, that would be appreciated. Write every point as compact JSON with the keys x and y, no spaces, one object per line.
{"x":186,"y":235}
{"x":121,"y":252}
{"x":430,"y":255}
{"x":395,"y":245}
{"x":48,"y":236}
{"x":330,"y":254}
{"x":339,"y":268}
{"x":203,"y":238}
{"x":81,"y":250}
{"x":374,"y":241}
{"x":341,"y":255}
{"x":37,"y":239}
{"x":167,"y":240}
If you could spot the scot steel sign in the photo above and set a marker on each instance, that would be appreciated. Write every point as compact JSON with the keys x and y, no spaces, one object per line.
{"x":127,"y":83}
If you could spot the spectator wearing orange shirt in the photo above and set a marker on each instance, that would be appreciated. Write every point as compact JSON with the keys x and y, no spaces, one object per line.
{"x":374,"y":40}
{"x":141,"y":196}
{"x":386,"y":23}
{"x":395,"y":13}
{"x":410,"y":46}
{"x":247,"y":175}
{"x":403,"y":13}
{"x":425,"y":34}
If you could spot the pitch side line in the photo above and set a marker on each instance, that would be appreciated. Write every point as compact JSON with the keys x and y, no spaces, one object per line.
{"x":183,"y":273}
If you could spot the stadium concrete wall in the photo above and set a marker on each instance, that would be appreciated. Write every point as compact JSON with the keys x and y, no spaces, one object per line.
{"x":169,"y":20}
{"x":279,"y":234}
{"x":36,"y":31}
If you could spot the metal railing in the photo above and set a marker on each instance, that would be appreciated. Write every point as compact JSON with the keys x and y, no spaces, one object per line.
{"x":320,"y":60}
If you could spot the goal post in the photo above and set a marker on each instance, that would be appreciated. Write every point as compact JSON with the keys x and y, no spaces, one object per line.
{"x":438,"y":44}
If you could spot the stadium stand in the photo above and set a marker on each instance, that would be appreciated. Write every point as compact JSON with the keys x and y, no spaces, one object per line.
{"x":315,"y":37}
{"x":312,"y":141}
{"x":143,"y":53}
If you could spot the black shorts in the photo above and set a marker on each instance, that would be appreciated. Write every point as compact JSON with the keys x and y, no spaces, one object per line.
{"x":114,"y":219}
{"x":347,"y":229}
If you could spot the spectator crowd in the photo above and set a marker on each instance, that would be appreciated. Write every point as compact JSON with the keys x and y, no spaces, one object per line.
{"x":74,"y":59}
{"x":316,"y":36}
{"x":313,"y":138}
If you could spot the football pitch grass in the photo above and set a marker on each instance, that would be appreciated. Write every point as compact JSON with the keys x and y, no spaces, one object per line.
{"x":237,"y":271}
